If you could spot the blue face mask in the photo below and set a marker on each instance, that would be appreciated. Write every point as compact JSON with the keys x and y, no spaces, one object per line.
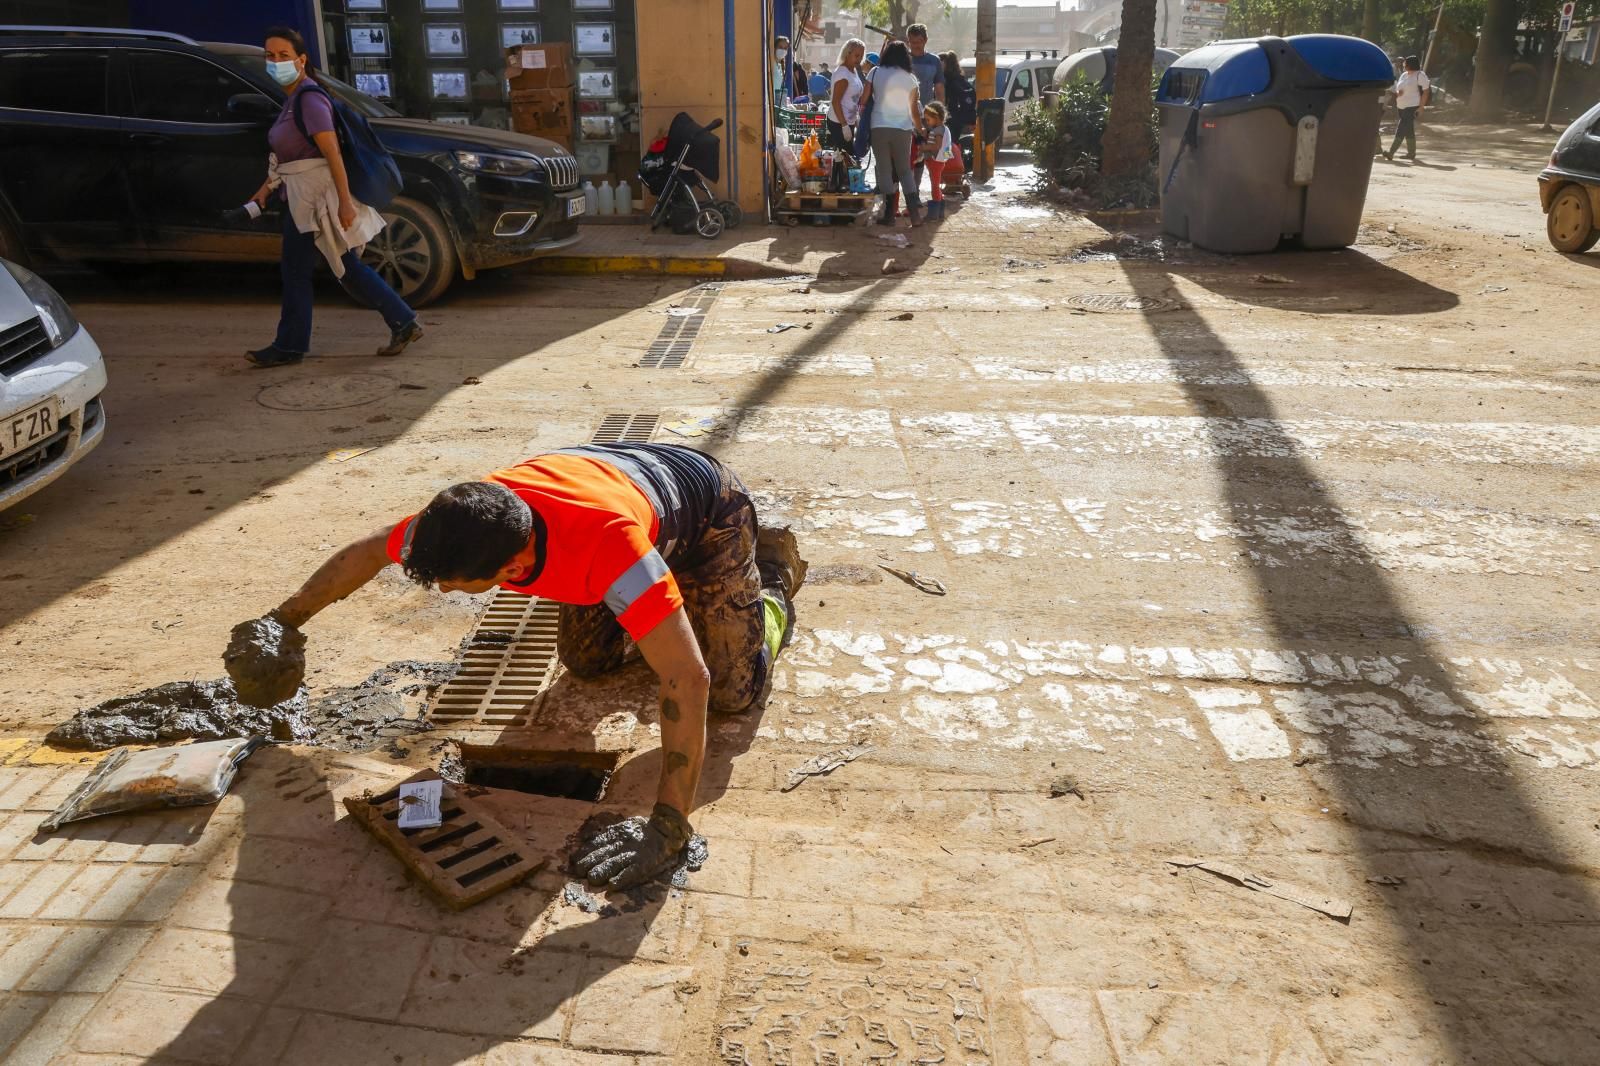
{"x":285,"y":73}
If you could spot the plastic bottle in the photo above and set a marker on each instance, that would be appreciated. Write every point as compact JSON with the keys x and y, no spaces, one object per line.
{"x":608,"y":198}
{"x":591,"y":199}
{"x":624,"y":198}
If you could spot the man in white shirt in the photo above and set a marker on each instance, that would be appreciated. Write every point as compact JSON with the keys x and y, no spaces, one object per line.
{"x":1410,"y":93}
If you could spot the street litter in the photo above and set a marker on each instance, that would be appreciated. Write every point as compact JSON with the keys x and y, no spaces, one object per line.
{"x":692,"y":427}
{"x":1065,"y":786}
{"x":904,"y":316}
{"x":782,"y":326}
{"x":931,"y":585}
{"x":683,"y":312}
{"x":899,"y":240}
{"x":1493,"y":288}
{"x":826,"y":763}
{"x":188,"y":776}
{"x":1036,"y":843}
{"x":344,"y":455}
{"x":1332,"y":906}
{"x":1273,"y":279}
{"x":419,"y":804}
{"x":1387,"y":881}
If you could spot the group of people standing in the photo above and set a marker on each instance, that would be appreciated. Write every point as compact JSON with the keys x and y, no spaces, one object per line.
{"x":915,"y":106}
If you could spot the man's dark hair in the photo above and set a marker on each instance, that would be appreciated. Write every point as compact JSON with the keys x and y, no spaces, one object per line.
{"x":917,"y":29}
{"x":1413,"y":63}
{"x":469,"y":532}
{"x":290,"y":34}
{"x":897,"y":55}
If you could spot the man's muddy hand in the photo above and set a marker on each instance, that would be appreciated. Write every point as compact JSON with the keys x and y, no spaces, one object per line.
{"x":266,"y":658}
{"x":634,"y":850}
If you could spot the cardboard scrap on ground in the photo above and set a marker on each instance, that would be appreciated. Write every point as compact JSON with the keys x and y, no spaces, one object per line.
{"x":692,"y":427}
{"x":825,"y":763}
{"x":1332,"y":906}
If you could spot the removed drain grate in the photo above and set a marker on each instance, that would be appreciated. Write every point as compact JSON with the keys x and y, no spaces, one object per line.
{"x":579,"y":775}
{"x":468,"y":857}
{"x":626,"y":428}
{"x":672,"y":344}
{"x":509,"y":661}
{"x":1122,"y":303}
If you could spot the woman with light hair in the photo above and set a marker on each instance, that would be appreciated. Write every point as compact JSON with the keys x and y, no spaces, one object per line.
{"x":844,"y":103}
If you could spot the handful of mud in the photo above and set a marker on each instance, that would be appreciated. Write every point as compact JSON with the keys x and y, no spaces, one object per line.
{"x":181,"y":710}
{"x":266,"y":660}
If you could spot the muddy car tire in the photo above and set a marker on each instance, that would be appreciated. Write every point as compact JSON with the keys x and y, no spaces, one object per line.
{"x":1570,"y":224}
{"x":414,"y":252}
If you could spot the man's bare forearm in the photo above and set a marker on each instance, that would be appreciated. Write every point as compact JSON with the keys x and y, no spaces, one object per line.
{"x":683,"y":743}
{"x":347,"y":570}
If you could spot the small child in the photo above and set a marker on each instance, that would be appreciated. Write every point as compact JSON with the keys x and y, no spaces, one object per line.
{"x":936,"y":152}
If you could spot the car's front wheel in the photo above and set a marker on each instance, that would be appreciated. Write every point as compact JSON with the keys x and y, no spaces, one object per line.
{"x":414,"y":252}
{"x":1570,"y":225}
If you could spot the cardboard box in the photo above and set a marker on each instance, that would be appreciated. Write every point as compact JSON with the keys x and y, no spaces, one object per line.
{"x":540,"y":66}
{"x":542,"y":112}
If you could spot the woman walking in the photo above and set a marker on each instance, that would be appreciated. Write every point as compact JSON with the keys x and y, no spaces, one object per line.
{"x":844,"y":102}
{"x":894,"y":96}
{"x":319,"y":215}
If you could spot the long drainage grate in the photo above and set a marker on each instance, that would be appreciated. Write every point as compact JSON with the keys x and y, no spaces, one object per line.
{"x":510,"y":658}
{"x":672,"y":344}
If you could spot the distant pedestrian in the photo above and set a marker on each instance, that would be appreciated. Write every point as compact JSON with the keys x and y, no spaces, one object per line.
{"x":962,"y":100}
{"x":818,"y":83}
{"x":1411,"y":93}
{"x":896,"y":105}
{"x":306,"y":170}
{"x":844,"y":96}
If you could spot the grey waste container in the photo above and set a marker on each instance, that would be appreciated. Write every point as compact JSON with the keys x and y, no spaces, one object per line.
{"x":1270,"y":138}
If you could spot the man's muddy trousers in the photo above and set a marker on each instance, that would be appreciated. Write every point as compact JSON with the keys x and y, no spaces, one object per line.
{"x":721,"y":589}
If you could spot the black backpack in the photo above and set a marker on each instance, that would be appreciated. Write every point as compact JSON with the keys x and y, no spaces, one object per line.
{"x":373,"y":173}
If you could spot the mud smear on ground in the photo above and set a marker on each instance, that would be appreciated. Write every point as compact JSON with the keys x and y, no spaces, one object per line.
{"x":844,"y":574}
{"x":388,"y":705}
{"x":266,"y":660}
{"x":1125,"y":247}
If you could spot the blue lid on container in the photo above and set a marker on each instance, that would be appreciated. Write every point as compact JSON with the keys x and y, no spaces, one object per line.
{"x":1343,"y":58}
{"x":1221,"y":71}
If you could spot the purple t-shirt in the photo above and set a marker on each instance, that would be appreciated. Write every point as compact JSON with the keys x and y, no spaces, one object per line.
{"x":284,"y":137}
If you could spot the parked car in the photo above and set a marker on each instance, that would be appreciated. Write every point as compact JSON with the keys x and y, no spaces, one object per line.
{"x":129,"y":145}
{"x":1098,"y":66}
{"x":1018,"y":80}
{"x":1569,"y":188}
{"x":51,"y":377}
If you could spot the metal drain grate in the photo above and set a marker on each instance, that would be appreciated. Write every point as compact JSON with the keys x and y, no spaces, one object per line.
{"x":467,"y":857}
{"x":1122,"y":303}
{"x":509,"y":661}
{"x":672,"y":344}
{"x":624,"y":428}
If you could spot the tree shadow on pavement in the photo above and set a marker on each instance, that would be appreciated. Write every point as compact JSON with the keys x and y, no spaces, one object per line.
{"x":1334,"y":282}
{"x":338,"y":958}
{"x":1477,"y":969}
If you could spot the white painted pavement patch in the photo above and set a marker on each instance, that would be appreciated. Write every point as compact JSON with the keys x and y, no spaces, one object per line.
{"x":1258,"y":703}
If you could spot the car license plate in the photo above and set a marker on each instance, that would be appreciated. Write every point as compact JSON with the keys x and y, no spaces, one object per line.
{"x":22,"y":431}
{"x":575,"y":207}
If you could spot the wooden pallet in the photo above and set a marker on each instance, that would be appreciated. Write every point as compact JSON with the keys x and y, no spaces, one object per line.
{"x":467,"y":858}
{"x":828,"y":203}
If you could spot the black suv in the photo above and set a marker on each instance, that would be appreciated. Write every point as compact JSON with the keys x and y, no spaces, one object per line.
{"x":128,"y":145}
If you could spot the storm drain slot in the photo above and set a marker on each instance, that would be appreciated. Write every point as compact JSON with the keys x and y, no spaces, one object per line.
{"x":624,"y":428}
{"x":672,"y":344}
{"x":509,"y":660}
{"x":579,"y":775}
{"x":464,"y":859}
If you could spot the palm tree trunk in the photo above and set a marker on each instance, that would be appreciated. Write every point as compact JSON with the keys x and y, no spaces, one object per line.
{"x":1126,"y":147}
{"x":1369,"y":20}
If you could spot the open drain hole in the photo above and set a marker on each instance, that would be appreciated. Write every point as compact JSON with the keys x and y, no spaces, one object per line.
{"x":579,"y":775}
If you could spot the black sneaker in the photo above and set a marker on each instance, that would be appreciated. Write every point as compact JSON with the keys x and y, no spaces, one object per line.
{"x":411,"y":331}
{"x":272,"y":355}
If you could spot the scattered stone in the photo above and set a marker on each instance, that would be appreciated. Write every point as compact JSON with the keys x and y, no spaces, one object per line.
{"x":1065,"y":786}
{"x":904,"y":316}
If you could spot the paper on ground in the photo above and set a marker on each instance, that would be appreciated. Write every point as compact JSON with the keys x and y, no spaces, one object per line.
{"x":419,"y":804}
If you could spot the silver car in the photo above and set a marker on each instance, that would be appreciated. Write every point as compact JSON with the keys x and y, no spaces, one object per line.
{"x":51,"y":378}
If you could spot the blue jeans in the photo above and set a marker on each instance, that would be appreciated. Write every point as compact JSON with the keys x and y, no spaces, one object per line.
{"x":361,"y":281}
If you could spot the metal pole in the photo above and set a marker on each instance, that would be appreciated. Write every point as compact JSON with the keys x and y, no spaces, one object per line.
{"x":983,"y":156}
{"x":1555,"y":79}
{"x":1433,"y":39}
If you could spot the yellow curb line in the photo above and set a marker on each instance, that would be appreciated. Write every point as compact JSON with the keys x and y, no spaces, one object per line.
{"x":629,"y":264}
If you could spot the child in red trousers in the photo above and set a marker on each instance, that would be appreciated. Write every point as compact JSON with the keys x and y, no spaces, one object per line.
{"x":936,"y":152}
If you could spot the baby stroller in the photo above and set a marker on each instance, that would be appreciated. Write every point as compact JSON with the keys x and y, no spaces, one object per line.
{"x":676,"y":169}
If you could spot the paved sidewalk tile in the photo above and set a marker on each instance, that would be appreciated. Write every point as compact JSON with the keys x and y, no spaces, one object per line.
{"x":139,"y":1020}
{"x":545,"y":1055}
{"x":617,"y":997}
{"x":201,"y":961}
{"x":50,"y":1033}
{"x":80,"y":893}
{"x":321,"y":1040}
{"x":486,"y":988}
{"x":1063,"y":1028}
{"x":42,"y":884}
{"x":27,"y":945}
{"x":253,"y":910}
{"x":358,"y":968}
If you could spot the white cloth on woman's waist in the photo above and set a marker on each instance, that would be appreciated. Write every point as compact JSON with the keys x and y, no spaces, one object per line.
{"x":314,"y":204}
